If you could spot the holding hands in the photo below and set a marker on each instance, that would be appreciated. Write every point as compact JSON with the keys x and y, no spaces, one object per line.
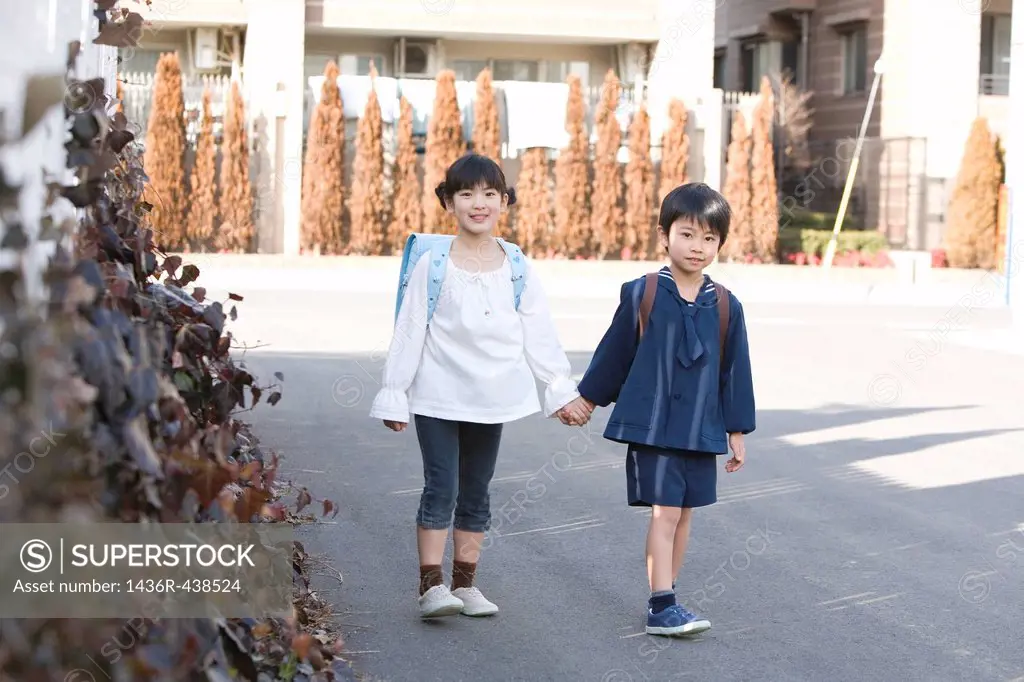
{"x":576,"y":413}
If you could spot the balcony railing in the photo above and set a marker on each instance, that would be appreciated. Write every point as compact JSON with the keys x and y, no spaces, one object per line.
{"x":994,"y":84}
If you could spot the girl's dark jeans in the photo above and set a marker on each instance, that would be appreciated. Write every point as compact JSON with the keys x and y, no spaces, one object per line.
{"x":458,"y":463}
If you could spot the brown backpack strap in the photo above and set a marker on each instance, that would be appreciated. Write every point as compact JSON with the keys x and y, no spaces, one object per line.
{"x":723,"y":315}
{"x":647,"y":304}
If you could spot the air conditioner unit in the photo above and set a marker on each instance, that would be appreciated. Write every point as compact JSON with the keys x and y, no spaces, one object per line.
{"x":205,"y":48}
{"x":416,"y":59}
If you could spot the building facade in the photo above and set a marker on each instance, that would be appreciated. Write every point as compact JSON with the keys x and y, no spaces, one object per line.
{"x":277,"y":46}
{"x":945,"y":63}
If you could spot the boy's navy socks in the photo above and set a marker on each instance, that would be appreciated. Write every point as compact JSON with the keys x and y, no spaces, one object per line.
{"x":662,"y":600}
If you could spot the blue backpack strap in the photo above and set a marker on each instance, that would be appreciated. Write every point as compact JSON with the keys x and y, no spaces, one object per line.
{"x":439,"y":250}
{"x":517,"y":260}
{"x":410,"y":254}
{"x":433,"y":246}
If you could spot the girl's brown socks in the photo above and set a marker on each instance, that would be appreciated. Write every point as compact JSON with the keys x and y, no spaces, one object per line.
{"x":430,"y":576}
{"x":463,"y":573}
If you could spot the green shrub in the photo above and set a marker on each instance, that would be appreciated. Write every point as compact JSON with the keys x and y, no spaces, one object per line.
{"x":815,"y":220}
{"x":814,"y":241}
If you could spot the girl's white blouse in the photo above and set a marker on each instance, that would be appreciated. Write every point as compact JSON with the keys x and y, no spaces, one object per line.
{"x":478,"y":360}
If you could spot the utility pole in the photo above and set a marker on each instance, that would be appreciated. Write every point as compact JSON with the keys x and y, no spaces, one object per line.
{"x":851,"y":175}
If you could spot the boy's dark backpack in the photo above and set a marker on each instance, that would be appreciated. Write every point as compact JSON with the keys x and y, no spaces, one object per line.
{"x":647,"y":303}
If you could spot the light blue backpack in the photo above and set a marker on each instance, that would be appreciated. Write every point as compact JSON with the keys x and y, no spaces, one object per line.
{"x":436,"y":247}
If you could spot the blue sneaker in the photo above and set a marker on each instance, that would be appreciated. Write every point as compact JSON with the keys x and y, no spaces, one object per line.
{"x":674,"y":621}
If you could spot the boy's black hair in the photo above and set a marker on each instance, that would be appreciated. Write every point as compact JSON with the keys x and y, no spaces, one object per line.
{"x":697,"y":202}
{"x":469,"y":172}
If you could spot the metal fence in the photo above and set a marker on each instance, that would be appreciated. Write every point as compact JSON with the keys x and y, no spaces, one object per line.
{"x":891,"y":193}
{"x":138,"y":101}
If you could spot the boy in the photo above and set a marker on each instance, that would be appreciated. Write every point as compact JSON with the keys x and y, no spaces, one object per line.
{"x":680,"y":383}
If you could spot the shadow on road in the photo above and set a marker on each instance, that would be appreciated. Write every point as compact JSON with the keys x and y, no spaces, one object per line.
{"x":822,"y":535}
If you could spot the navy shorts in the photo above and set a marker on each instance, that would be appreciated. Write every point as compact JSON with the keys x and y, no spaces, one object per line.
{"x":670,"y":478}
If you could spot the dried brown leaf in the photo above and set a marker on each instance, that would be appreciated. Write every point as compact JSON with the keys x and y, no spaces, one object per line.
{"x":124,"y":33}
{"x":304,"y":500}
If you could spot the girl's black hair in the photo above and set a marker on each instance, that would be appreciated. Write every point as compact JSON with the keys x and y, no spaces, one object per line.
{"x":697,"y":202}
{"x":469,"y":172}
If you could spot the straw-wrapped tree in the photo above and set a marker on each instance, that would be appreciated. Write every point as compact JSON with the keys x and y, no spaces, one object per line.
{"x":764,"y":199}
{"x":236,"y":232}
{"x":164,"y":156}
{"x":639,"y":188}
{"x":606,"y":215}
{"x":487,"y":128}
{"x":737,"y":191}
{"x":407,"y":211}
{"x":533,"y":202}
{"x":675,"y":150}
{"x":572,"y":179}
{"x":445,"y":144}
{"x":323,"y":171}
{"x":974,"y":206}
{"x":366,"y":207}
{"x":203,"y":209}
{"x":486,"y":125}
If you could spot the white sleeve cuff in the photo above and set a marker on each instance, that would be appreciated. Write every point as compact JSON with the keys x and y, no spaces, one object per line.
{"x":559,"y":393}
{"x":391,"y":405}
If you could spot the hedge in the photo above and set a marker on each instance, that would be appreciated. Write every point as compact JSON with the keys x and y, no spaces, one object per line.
{"x":139,"y":377}
{"x":815,"y":241}
{"x":816,"y":220}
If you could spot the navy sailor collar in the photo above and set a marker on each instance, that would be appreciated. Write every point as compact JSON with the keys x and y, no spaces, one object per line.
{"x":706,"y":296}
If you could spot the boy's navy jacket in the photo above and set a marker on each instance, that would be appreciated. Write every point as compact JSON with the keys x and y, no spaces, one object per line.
{"x":668,"y":390}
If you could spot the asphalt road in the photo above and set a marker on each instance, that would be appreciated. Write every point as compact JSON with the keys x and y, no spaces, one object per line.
{"x":877,"y":531}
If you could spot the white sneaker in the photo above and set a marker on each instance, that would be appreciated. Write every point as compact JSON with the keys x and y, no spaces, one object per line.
{"x":439,"y":601}
{"x":475,"y":603}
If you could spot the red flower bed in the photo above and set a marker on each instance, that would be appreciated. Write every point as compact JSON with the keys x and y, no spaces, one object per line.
{"x":847,"y":259}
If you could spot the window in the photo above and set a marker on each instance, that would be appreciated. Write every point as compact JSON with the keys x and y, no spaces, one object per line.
{"x":138,"y":60}
{"x":359,"y":64}
{"x":468,"y":69}
{"x":791,"y":60}
{"x":763,"y":58}
{"x":760,"y":58}
{"x":348,"y":64}
{"x":995,"y":54}
{"x":855,"y":59}
{"x":515,"y":70}
{"x":314,"y":65}
{"x":557,"y":71}
{"x":719,"y":77}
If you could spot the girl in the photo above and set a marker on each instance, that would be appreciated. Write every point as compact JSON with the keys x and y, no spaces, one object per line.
{"x":463,"y":376}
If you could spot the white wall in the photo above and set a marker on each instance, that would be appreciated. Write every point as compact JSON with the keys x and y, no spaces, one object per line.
{"x":1015,"y":172}
{"x":35,"y":37}
{"x":274,"y":52}
{"x":682,"y":66}
{"x":930,"y":85}
{"x":584,"y":21}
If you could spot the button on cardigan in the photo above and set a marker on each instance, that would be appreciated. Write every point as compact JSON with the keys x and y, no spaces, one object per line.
{"x":480,"y":358}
